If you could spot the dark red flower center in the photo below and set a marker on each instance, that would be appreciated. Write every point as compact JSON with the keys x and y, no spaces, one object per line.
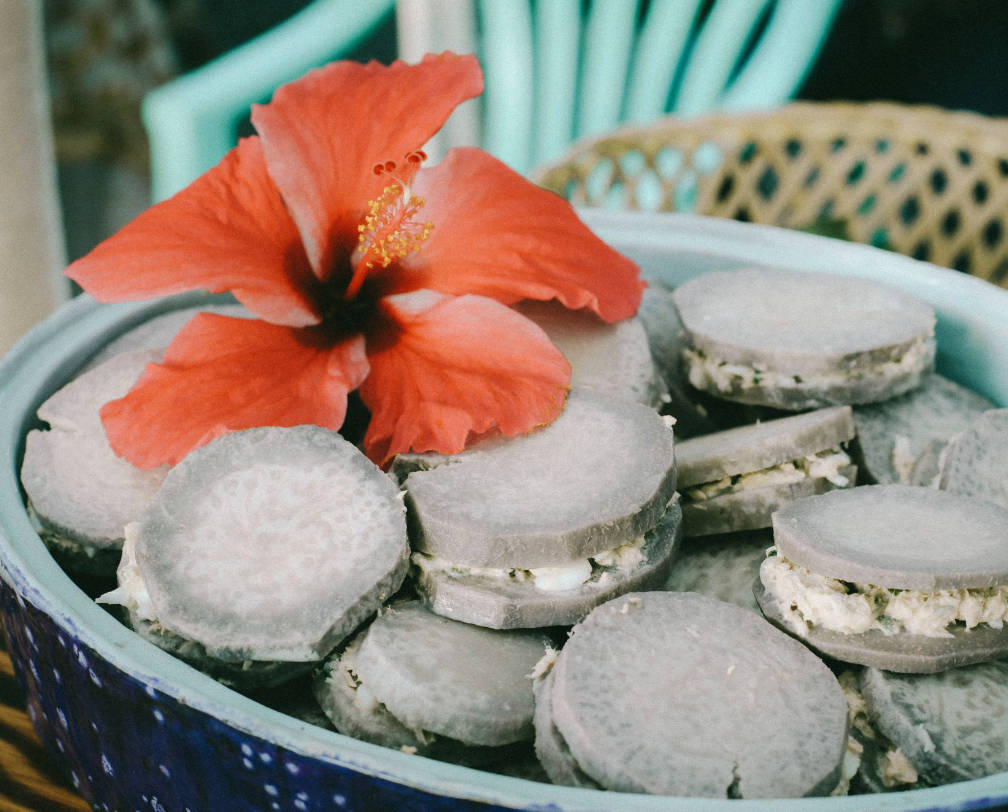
{"x":390,"y":230}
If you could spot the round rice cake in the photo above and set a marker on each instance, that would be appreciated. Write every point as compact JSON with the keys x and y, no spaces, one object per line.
{"x":451,"y":678}
{"x":974,"y":462}
{"x":81,"y":493}
{"x":897,"y":536}
{"x":735,"y":479}
{"x":680,"y":694}
{"x":666,"y":338}
{"x":511,"y":599}
{"x":266,"y":544}
{"x":614,"y":359}
{"x":951,"y":726}
{"x":918,"y":547}
{"x":796,"y":340}
{"x":894,"y":434}
{"x":600,"y":475}
{"x":412,"y":678}
{"x":550,"y":748}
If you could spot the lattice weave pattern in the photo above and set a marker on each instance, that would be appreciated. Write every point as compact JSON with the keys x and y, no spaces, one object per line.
{"x":925,"y":182}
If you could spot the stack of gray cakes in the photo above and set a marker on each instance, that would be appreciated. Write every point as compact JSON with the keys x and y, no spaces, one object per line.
{"x":894,"y":567}
{"x":762,"y":553}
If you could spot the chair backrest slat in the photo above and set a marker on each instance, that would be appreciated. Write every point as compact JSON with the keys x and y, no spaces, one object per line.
{"x":452,"y":25}
{"x":610,"y":32}
{"x":660,"y":48}
{"x":557,"y":52}
{"x":795,"y":27}
{"x":719,"y":43}
{"x":507,"y":55}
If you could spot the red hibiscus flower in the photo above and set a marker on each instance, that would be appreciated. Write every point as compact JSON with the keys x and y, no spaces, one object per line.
{"x":366,"y":271}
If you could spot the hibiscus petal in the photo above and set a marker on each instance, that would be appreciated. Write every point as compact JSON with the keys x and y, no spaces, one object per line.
{"x":498,"y":235}
{"x":223,"y":374}
{"x":445,"y":368}
{"x":228,"y":230}
{"x":324,"y":134}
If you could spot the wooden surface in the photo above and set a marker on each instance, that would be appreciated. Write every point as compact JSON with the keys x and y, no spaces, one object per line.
{"x":30,"y":780}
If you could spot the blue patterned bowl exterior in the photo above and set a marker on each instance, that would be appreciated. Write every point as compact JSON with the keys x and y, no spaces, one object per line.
{"x":129,"y":745}
{"x":138,"y":730}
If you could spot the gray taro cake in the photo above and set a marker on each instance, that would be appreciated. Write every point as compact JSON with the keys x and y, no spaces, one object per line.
{"x":538,"y":529}
{"x":898,"y":577}
{"x":614,"y":359}
{"x":894,"y":434}
{"x":975,"y":462}
{"x":431,"y":685}
{"x":932,"y":729}
{"x":657,"y":692}
{"x":262,"y":551}
{"x":735,"y":479}
{"x":80,"y":493}
{"x":806,"y":340}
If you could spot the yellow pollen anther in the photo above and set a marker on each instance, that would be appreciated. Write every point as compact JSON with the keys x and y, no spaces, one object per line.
{"x":390,"y":230}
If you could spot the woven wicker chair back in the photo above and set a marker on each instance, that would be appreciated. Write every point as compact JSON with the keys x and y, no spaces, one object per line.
{"x":922,"y":181}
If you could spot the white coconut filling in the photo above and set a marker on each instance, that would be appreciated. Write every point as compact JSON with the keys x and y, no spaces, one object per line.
{"x":821,"y":465}
{"x":807,"y":598}
{"x":705,"y":372}
{"x":902,"y":458}
{"x":545,"y":663}
{"x":897,"y":771}
{"x":625,"y":558}
{"x":132,"y":590}
{"x":857,"y":714}
{"x":891,"y":764}
{"x":851,"y":764}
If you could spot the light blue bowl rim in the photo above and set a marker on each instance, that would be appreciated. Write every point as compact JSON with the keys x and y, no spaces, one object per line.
{"x":973,"y":342}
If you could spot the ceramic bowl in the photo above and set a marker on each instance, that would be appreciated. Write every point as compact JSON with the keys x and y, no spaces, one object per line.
{"x":137,"y":729}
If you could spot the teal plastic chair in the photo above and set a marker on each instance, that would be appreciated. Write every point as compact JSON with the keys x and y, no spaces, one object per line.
{"x":193,"y":120}
{"x":555,"y":70}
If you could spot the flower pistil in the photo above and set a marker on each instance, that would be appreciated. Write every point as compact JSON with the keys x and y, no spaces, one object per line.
{"x":391,"y":229}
